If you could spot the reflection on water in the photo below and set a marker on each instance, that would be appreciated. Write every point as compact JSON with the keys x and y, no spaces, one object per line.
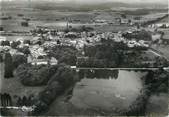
{"x":99,"y":74}
{"x":118,"y":91}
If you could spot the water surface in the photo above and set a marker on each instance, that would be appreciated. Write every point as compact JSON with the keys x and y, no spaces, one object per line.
{"x":110,"y":95}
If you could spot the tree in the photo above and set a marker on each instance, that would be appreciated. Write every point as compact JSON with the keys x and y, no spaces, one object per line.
{"x":64,"y":75}
{"x":24,"y":101}
{"x":105,"y":55}
{"x":35,"y":75}
{"x":5,"y":43}
{"x":139,"y":35}
{"x":27,"y":42}
{"x":64,"y":54}
{"x":24,"y":50}
{"x":8,"y":66}
{"x":25,"y":24}
{"x":18,"y":60}
{"x":14,"y":44}
{"x":19,"y":102}
{"x":1,"y":29}
{"x":52,"y":90}
{"x":1,"y":58}
{"x":123,"y":16}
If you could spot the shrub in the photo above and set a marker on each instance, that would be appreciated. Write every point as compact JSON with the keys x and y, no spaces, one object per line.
{"x":18,"y":60}
{"x":35,"y":75}
{"x":8,"y":66}
{"x":53,"y":90}
{"x":1,"y":58}
{"x":65,"y":76}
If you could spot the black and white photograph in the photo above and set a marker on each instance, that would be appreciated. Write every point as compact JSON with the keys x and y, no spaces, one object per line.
{"x":84,"y":58}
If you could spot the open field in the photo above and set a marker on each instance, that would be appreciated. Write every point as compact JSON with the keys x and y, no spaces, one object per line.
{"x":165,"y":20}
{"x":112,"y":28}
{"x":37,"y":17}
{"x":12,"y":38}
{"x":50,"y":17}
{"x":14,"y":24}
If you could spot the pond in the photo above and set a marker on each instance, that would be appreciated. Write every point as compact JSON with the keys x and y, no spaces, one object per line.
{"x":109,"y":95}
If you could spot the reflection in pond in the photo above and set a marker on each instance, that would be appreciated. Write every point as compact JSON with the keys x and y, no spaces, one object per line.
{"x":99,"y":74}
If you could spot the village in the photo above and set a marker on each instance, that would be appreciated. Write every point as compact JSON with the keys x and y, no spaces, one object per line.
{"x":88,"y":60}
{"x":45,"y":38}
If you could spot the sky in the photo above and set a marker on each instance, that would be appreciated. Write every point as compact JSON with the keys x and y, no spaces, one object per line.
{"x":117,"y":0}
{"x":96,"y":1}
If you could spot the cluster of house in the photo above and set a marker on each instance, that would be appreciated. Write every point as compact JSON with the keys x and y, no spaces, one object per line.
{"x":159,"y":25}
{"x":48,"y":38}
{"x":37,"y":54}
{"x":120,"y":19}
{"x":41,"y":41}
{"x":163,"y":36}
{"x":79,"y":39}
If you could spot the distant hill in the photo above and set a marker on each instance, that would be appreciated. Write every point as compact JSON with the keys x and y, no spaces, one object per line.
{"x":70,"y":6}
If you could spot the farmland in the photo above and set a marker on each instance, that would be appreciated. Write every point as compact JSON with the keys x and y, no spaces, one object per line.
{"x":51,"y":17}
